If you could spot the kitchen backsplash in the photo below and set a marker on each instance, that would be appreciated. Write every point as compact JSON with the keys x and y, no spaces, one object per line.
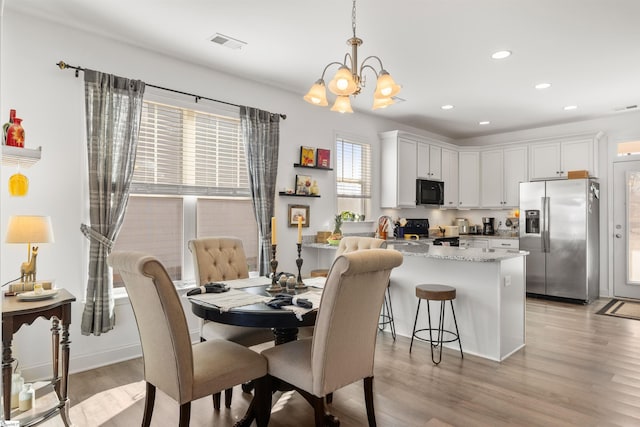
{"x":444,"y":217}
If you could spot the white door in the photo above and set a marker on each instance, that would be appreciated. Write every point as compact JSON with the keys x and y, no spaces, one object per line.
{"x":626,"y":229}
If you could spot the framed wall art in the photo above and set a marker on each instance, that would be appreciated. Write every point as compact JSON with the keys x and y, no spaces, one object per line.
{"x":296,"y":211}
{"x":303,"y":184}
{"x":307,"y":156}
{"x":323,"y":158}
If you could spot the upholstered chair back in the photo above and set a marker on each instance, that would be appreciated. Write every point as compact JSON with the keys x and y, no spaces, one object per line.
{"x":344,"y":340}
{"x":355,"y":243}
{"x":164,"y":334}
{"x":218,"y":258}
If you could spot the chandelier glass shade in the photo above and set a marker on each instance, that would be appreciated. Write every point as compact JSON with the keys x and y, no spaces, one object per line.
{"x":349,"y":80}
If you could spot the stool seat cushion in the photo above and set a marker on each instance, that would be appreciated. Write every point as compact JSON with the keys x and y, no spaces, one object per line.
{"x":436,"y":292}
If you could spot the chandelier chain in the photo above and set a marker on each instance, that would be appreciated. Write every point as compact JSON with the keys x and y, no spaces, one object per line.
{"x":353,"y":18}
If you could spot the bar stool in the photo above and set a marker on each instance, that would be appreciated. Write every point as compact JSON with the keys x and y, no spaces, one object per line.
{"x":442,"y":293}
{"x":386,"y":316}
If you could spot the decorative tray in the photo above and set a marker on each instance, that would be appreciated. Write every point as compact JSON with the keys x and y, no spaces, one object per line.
{"x":32,"y":296}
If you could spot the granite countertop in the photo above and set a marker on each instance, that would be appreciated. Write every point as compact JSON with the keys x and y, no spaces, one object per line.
{"x":417,"y":249}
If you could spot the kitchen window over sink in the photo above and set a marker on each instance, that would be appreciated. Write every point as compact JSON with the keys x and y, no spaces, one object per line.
{"x":353,"y":176}
{"x":190,"y":180}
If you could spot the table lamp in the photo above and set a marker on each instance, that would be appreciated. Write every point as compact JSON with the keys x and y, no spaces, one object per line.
{"x":29,"y":229}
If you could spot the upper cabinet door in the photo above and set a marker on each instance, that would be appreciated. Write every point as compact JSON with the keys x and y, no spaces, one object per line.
{"x":577,"y":155}
{"x":406,"y":172}
{"x":515,"y":172}
{"x":491,"y":179}
{"x":450,"y":177}
{"x":545,"y":160}
{"x":469,"y":179}
{"x":422,"y":160}
{"x":435,"y":162}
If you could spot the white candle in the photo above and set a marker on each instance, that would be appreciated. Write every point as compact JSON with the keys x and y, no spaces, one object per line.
{"x":273,"y":230}
{"x":299,"y":229}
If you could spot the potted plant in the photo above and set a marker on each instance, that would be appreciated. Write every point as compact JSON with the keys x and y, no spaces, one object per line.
{"x":335,"y":237}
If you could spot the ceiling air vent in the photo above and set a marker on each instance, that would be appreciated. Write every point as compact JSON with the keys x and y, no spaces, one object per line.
{"x":227,"y":41}
{"x":627,"y":108}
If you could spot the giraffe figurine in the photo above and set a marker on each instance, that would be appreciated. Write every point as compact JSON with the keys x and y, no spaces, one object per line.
{"x":28,"y":269}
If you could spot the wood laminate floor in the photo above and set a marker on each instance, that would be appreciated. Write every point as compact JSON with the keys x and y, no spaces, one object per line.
{"x":578,"y":369}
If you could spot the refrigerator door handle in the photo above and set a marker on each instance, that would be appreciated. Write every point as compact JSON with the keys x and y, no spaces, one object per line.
{"x":546,"y":209}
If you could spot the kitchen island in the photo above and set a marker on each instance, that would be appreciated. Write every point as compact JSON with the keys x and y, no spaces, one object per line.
{"x":490,"y":283}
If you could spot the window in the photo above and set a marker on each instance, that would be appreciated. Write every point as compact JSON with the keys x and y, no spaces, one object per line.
{"x":190,"y":180}
{"x":353,"y":176}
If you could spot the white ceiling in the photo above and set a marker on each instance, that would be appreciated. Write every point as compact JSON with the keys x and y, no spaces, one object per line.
{"x":438,"y":50}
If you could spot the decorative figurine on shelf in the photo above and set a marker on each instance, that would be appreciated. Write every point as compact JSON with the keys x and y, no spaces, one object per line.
{"x":314,"y":188}
{"x":15,"y":134}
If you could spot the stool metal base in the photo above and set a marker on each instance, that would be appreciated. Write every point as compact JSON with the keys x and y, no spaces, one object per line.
{"x":439,"y":341}
{"x":386,"y":317}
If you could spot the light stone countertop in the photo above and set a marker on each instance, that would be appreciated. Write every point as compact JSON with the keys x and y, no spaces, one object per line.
{"x":417,"y":249}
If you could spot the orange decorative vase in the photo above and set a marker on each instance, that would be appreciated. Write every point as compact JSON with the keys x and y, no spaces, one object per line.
{"x":15,"y":134}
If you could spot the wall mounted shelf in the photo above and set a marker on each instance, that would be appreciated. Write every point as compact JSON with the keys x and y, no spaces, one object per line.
{"x":298,"y":165}
{"x":16,"y":156}
{"x":283,"y":193}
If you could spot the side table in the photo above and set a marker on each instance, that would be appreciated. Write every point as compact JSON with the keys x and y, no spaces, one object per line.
{"x":16,"y":313}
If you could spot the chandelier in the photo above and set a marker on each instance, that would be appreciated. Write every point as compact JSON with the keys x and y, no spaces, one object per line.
{"x":349,"y":80}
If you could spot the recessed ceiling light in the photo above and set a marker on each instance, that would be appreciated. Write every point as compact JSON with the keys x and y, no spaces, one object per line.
{"x":570,"y":107}
{"x":501,"y":54}
{"x":543,"y":86}
{"x":447,"y":107}
{"x":486,"y":122}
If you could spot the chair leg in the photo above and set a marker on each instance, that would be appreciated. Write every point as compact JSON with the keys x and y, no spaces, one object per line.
{"x":150,"y":398}
{"x":228,"y":394}
{"x":392,"y":323}
{"x":185,"y":414}
{"x":415,"y":322}
{"x":368,"y":399}
{"x":329,"y":398}
{"x":216,"y":400}
{"x":322,"y":417}
{"x":455,"y":322}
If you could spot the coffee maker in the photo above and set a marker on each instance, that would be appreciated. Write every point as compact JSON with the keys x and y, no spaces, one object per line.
{"x":488,"y":225}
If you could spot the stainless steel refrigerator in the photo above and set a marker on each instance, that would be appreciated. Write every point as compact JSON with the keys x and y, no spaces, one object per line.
{"x":559,"y":223}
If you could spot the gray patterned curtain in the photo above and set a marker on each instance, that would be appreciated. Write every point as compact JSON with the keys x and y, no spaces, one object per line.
{"x":113,"y":112}
{"x":261,"y":131}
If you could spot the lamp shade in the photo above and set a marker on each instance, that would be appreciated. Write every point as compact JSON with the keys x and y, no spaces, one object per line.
{"x":317,"y":95}
{"x":382,"y":102}
{"x":343,"y":83}
{"x":342,"y":105}
{"x":29,"y":229}
{"x":386,"y":87}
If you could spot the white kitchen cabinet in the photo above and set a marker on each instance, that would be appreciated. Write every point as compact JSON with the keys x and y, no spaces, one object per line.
{"x":429,"y":158}
{"x":398,"y":171}
{"x":502,"y":171}
{"x":468,"y":179}
{"x":479,"y":243}
{"x":504,"y":243}
{"x":450,"y":177}
{"x":556,"y":159}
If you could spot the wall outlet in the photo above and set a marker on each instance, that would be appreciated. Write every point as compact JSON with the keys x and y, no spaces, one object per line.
{"x":507,"y":281}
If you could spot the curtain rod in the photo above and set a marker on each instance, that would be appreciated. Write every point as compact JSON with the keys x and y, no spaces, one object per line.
{"x":63,"y":66}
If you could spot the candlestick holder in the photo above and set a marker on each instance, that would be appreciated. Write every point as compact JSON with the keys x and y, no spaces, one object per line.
{"x":300,"y":284}
{"x":275,"y":285}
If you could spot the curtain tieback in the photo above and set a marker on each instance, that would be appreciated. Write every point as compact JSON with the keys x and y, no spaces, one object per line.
{"x":91,"y":234}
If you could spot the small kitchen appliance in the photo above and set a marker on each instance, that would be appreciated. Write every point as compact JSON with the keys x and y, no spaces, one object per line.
{"x":429,"y":192}
{"x":418,"y":227}
{"x":463,"y":225}
{"x":488,"y":225}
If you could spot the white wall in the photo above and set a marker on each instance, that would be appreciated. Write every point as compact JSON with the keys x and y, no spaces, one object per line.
{"x":51,"y":103}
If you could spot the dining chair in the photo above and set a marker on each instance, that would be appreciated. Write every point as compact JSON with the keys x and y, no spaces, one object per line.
{"x":217,"y":259}
{"x":342,"y":348}
{"x":183,"y":371}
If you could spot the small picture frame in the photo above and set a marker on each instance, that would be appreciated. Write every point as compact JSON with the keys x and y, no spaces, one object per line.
{"x":303,"y":185}
{"x":307,"y":156}
{"x":323,"y":158}
{"x":296,"y":211}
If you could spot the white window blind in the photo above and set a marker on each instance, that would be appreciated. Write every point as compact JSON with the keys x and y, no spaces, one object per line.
{"x":187,"y":152}
{"x":353,"y":176}
{"x":232,"y":218}
{"x":153,"y":225}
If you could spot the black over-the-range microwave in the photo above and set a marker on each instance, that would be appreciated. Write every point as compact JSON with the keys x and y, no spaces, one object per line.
{"x":429,"y":192}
